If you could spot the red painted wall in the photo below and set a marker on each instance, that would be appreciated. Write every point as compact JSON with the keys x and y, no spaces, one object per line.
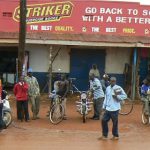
{"x":75,"y":17}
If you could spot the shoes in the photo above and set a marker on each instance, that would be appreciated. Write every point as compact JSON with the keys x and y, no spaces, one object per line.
{"x":115,"y":138}
{"x":20,"y":120}
{"x":95,"y":118}
{"x":37,"y":117}
{"x":27,"y":120}
{"x":92,"y":117}
{"x":103,"y":138}
{"x":34,"y":118}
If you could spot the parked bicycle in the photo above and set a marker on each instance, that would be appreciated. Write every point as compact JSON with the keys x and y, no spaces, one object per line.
{"x":146,"y":108}
{"x":56,"y":113}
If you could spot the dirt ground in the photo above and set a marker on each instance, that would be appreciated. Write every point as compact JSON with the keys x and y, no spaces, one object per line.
{"x":72,"y":134}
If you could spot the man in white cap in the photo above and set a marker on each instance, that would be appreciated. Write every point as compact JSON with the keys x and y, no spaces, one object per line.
{"x":111,"y":106}
{"x":34,"y":93}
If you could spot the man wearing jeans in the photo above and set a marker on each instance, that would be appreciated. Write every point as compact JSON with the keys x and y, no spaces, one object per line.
{"x":96,"y":88}
{"x":114,"y":95}
{"x":34,"y":93}
{"x":2,"y":124}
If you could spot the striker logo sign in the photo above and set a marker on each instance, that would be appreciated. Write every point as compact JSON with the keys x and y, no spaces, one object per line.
{"x":46,"y":12}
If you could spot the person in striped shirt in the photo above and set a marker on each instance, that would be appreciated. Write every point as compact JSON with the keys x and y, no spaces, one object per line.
{"x":98,"y":93}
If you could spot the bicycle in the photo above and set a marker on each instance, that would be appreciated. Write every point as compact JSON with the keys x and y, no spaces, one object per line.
{"x":146,"y":109}
{"x":126,"y":106}
{"x":57,"y":110}
{"x":72,"y":88}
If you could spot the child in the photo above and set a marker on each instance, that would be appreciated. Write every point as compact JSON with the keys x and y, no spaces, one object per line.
{"x":21,"y":93}
{"x":145,"y":90}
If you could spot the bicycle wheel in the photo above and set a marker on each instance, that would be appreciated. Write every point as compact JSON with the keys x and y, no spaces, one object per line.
{"x":145,"y":118}
{"x":7,"y":118}
{"x":56,"y":113}
{"x":126,"y":107}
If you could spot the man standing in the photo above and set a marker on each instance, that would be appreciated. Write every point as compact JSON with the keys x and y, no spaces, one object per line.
{"x":96,"y":88}
{"x":34,"y":93}
{"x":2,"y":123}
{"x":62,"y":88}
{"x":105,"y":82}
{"x":94,"y":70}
{"x":114,"y":95}
{"x":1,"y":106}
{"x":21,"y":94}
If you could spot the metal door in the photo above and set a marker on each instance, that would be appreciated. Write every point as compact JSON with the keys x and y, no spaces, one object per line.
{"x":81,"y":62}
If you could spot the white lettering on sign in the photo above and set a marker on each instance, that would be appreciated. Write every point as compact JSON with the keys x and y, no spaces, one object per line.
{"x":133,"y":20}
{"x":111,"y":29}
{"x":146,"y":12}
{"x":93,"y":18}
{"x":132,"y":12}
{"x":34,"y":27}
{"x":109,"y":19}
{"x":46,"y":28}
{"x":90,"y":10}
{"x":95,"y":29}
{"x":111,"y":11}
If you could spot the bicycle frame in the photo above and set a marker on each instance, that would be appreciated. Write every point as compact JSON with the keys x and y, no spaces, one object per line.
{"x":146,"y":110}
{"x":57,"y":111}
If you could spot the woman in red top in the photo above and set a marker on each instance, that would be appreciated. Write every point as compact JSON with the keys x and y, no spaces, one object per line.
{"x":21,"y":94}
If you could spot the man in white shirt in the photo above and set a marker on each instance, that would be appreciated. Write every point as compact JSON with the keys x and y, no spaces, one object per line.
{"x":114,"y":95}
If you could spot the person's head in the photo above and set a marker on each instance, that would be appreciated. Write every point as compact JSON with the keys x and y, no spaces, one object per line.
{"x":113,"y":81}
{"x":63,"y":77}
{"x":91,"y":77}
{"x":105,"y":76}
{"x":146,"y":82}
{"x":21,"y":79}
{"x":30,"y":72}
{"x":94,"y":66}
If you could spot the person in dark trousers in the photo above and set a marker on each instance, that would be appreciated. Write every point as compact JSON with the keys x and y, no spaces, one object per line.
{"x":96,"y":88}
{"x":111,"y":106}
{"x":21,"y":94}
{"x":2,"y":124}
{"x":145,"y":89}
{"x":61,"y":88}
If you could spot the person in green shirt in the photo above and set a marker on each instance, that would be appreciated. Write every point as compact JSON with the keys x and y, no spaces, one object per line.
{"x":34,"y":93}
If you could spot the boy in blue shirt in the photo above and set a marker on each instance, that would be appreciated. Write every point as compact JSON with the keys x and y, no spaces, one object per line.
{"x":145,"y":90}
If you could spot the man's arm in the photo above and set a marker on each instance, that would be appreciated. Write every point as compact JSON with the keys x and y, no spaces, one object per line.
{"x":37,"y":86}
{"x":122,"y":95}
{"x":67,"y":88}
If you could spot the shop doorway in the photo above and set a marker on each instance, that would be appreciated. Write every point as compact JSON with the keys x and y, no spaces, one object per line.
{"x":8,"y":57}
{"x":81,"y":61}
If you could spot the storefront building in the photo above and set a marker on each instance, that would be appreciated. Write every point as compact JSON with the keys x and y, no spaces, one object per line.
{"x":113,"y":35}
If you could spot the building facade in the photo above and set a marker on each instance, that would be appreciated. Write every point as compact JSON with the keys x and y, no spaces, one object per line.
{"x":113,"y":35}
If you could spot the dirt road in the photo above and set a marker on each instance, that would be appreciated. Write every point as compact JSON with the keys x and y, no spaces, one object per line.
{"x":72,"y":134}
